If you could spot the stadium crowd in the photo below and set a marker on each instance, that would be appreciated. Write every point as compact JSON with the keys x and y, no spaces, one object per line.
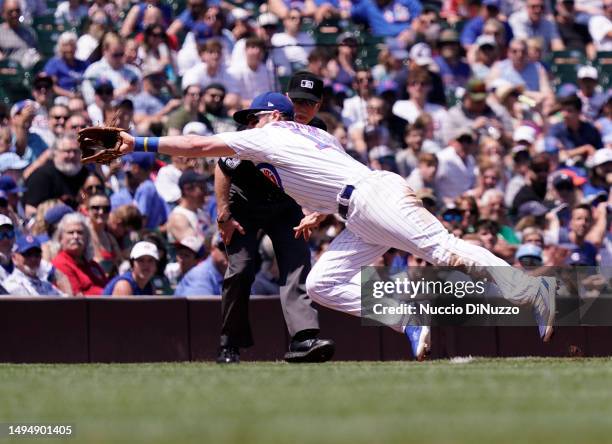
{"x":497,"y":112}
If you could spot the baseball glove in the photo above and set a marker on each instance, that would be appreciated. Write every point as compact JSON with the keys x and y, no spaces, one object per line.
{"x":99,"y":144}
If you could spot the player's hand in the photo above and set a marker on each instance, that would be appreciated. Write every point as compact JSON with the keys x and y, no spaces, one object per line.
{"x":307,"y":224}
{"x":127,"y":143}
{"x":227,"y":228}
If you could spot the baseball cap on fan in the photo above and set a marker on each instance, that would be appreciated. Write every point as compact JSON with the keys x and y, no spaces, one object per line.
{"x":420,"y":53}
{"x":305,"y":85}
{"x":144,"y":248}
{"x":269,"y":101}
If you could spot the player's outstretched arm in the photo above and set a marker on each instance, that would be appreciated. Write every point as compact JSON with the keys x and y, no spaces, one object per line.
{"x":187,"y":146}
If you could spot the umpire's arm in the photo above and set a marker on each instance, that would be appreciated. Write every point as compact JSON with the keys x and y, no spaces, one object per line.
{"x":187,"y":146}
{"x":225,"y":221}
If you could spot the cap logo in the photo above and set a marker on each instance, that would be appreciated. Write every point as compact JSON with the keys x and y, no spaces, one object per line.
{"x":307,"y":84}
{"x":270,"y":104}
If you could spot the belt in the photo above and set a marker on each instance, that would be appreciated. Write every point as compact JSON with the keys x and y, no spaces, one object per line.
{"x":343,"y":200}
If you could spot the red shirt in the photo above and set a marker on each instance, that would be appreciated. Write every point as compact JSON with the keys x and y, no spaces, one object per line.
{"x":88,"y":279}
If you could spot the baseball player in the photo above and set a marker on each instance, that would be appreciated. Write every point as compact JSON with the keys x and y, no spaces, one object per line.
{"x":381,"y":211}
{"x":249,"y":200}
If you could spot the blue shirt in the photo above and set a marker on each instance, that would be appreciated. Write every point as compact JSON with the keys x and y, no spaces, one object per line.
{"x":202,"y":280}
{"x":145,"y":103}
{"x":390,"y":20}
{"x":68,"y":77}
{"x":136,"y":290}
{"x":473,"y":29}
{"x":35,"y":147}
{"x":148,"y":201}
{"x":528,"y":77}
{"x":587,"y":134}
{"x":453,"y":76}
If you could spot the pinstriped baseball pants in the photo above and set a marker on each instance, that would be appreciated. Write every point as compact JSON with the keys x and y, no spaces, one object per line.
{"x":385,"y":213}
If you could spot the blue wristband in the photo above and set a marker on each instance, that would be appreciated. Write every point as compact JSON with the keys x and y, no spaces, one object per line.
{"x":146,"y":144}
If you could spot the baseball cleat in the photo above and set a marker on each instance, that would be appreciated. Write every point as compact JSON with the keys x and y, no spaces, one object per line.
{"x":544,"y":307}
{"x":420,"y":340}
{"x":228,"y":355}
{"x":310,"y":350}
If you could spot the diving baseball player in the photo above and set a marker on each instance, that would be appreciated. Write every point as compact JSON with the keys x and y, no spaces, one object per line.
{"x":381,"y":211}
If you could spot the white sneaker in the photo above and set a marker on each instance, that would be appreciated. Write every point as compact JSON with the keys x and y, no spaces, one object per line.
{"x":420,"y":340}
{"x":544,"y":307}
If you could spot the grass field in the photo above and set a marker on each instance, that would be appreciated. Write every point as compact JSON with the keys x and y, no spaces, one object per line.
{"x":501,"y":401}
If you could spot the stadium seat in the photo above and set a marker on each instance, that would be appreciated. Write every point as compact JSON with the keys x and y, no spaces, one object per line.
{"x":603,"y":63}
{"x":565,"y":64}
{"x":14,"y":82}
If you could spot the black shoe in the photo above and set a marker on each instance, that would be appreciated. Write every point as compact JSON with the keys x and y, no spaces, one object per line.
{"x":310,"y":350}
{"x":228,"y":355}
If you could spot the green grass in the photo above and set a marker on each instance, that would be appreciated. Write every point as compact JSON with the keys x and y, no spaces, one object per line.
{"x":492,"y":401}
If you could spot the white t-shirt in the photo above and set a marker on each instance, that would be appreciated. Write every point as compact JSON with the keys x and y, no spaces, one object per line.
{"x":251,"y":83}
{"x":308,"y":164}
{"x":295,"y":50}
{"x":454,"y":176}
{"x":198,"y":75}
{"x":599,"y":27}
{"x":408,"y":110}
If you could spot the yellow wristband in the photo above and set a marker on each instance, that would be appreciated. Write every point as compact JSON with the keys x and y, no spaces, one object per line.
{"x":146,"y":142}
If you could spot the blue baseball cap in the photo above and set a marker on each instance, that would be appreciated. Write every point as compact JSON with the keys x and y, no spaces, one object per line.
{"x":201,"y":32}
{"x":270,"y":101}
{"x":26,"y":243}
{"x":54,"y":214}
{"x":8,"y":185}
{"x":143,"y":160}
{"x":493,"y":3}
{"x":528,"y":250}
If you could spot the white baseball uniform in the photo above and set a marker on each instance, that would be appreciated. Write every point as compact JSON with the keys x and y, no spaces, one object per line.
{"x":311,"y":166}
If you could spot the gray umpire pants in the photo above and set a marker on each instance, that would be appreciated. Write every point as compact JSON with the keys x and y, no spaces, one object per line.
{"x":293,"y":257}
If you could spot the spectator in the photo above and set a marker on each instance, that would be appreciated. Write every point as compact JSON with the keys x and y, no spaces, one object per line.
{"x":11,"y":192}
{"x":24,"y":279}
{"x":580,"y":224}
{"x":7,"y":240}
{"x":71,"y":13}
{"x":51,"y":129}
{"x":106,"y":250}
{"x":212,"y":105}
{"x":600,"y":28}
{"x":485,"y":55}
{"x":294,"y":44}
{"x":27,"y":144}
{"x":124,"y":78}
{"x":387,"y":18}
{"x":517,"y":70}
{"x":124,"y":223}
{"x":489,"y":9}
{"x":141,"y":191}
{"x":187,"y":112}
{"x":62,"y":176}
{"x":206,"y":278}
{"x":75,"y":258}
{"x":456,"y":166}
{"x":51,"y":212}
{"x":188,"y":217}
{"x":454,"y":71}
{"x":531,"y":22}
{"x":342,"y":67}
{"x":42,"y":91}
{"x":354,"y":109}
{"x":102,"y":104}
{"x":189,"y":253}
{"x":137,"y":281}
{"x":146,"y":13}
{"x":578,"y":138}
{"x":254,"y":77}
{"x":374,"y":134}
{"x":211,"y":69}
{"x":575,"y":36}
{"x":155,"y":50}
{"x":152,"y":105}
{"x":419,"y":85}
{"x":592,"y":99}
{"x":474,"y":112}
{"x":18,"y":42}
{"x":528,"y":255}
{"x":536,"y":181}
{"x":88,"y":43}
{"x":492,"y":208}
{"x":196,"y":9}
{"x":600,"y":171}
{"x":424,"y":175}
{"x":65,"y":69}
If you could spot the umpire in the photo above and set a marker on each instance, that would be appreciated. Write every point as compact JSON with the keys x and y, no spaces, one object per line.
{"x":249,"y":199}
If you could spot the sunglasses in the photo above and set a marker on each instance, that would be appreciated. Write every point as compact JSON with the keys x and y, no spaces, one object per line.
{"x":117,"y":55}
{"x":94,"y":188}
{"x":7,"y":235}
{"x":103,"y":208}
{"x":56,"y":117}
{"x":529,"y":261}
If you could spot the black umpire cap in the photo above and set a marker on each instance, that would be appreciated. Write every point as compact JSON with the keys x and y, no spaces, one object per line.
{"x":305,"y":85}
